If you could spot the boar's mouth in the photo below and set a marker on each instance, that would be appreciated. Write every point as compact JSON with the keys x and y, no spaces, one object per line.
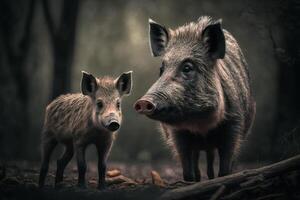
{"x":160,"y":109}
{"x":172,"y":115}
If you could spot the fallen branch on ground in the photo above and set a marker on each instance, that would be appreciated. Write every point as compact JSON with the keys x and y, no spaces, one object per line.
{"x":263,"y":180}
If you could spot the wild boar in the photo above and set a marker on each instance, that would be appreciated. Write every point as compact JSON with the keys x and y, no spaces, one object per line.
{"x":78,"y":120}
{"x":202,"y":99}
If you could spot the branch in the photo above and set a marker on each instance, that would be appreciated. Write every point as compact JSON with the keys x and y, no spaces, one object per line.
{"x":68,"y":17}
{"x":233,"y":179}
{"x":25,"y":40}
{"x":49,"y":19}
{"x":28,"y":23}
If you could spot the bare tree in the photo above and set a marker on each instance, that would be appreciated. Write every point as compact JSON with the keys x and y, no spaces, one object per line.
{"x":285,"y":140}
{"x":15,"y":35}
{"x":62,"y":38}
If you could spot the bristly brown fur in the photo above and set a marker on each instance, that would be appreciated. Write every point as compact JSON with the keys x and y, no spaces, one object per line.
{"x":68,"y":114}
{"x":191,"y":31}
{"x":78,"y":120}
{"x":211,"y":109}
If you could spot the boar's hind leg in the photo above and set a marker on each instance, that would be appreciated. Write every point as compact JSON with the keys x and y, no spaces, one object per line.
{"x":226,"y":152}
{"x":210,"y":156}
{"x":195,"y":162}
{"x":63,"y":162}
{"x":48,"y":146}
{"x":81,"y":164}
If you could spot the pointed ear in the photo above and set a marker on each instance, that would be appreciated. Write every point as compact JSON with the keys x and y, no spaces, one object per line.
{"x":124,"y":83}
{"x":88,"y":84}
{"x":158,"y":38}
{"x":214,"y":38}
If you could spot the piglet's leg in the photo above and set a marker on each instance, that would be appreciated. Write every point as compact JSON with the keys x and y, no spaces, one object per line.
{"x":103,"y":149}
{"x":63,"y":162}
{"x":81,"y":165}
{"x":48,"y":147}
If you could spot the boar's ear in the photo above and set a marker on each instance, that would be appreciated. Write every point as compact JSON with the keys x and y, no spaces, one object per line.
{"x":213,"y":37}
{"x":124,"y":83}
{"x":88,"y":84}
{"x":158,"y":38}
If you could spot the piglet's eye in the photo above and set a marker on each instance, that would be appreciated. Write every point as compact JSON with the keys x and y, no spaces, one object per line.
{"x":118,"y":104}
{"x":100,"y":105}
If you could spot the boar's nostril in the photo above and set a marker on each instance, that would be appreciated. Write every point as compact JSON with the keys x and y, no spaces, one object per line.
{"x":137,"y":107}
{"x":150,"y":106}
{"x":144,"y":107}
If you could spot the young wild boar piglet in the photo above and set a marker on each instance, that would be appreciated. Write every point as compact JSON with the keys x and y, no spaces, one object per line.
{"x":203,"y":97}
{"x":77,"y":120}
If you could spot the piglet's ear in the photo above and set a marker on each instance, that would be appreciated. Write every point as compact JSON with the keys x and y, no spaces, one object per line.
{"x":88,"y":84}
{"x":213,"y":37}
{"x":158,"y":38}
{"x":124,"y":83}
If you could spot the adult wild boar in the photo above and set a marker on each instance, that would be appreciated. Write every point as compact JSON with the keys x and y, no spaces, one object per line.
{"x":78,"y":120}
{"x":202,"y":99}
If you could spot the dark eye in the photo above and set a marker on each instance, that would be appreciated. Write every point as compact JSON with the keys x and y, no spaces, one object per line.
{"x":118,"y":104}
{"x":100,"y":105}
{"x":162,"y":69}
{"x":187,"y":67}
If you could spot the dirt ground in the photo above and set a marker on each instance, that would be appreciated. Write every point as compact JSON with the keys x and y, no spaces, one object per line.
{"x":19,"y":181}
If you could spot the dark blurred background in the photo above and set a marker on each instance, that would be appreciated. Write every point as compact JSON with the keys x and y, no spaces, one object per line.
{"x":44,"y":45}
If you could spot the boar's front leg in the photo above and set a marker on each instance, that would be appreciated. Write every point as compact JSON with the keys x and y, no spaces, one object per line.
{"x":81,"y":164}
{"x":210,"y":156}
{"x":195,"y":163}
{"x":185,"y":153}
{"x":187,"y":164}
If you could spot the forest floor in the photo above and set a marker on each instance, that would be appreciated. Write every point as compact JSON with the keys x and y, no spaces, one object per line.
{"x":18,"y":180}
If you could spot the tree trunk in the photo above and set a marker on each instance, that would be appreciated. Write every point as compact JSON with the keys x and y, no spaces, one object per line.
{"x":17,"y":48}
{"x":63,"y":42}
{"x":285,"y":140}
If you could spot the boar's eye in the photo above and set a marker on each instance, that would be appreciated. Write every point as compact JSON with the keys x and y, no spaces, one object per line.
{"x":162,"y":69}
{"x":187,"y":67}
{"x":99,"y":104}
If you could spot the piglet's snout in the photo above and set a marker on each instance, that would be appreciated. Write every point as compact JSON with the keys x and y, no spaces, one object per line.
{"x":111,"y":123}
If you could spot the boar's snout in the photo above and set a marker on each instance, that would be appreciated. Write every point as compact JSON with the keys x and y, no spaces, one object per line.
{"x":144,"y":106}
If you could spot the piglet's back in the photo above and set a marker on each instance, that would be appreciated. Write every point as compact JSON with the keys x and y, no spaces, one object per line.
{"x":68,"y":114}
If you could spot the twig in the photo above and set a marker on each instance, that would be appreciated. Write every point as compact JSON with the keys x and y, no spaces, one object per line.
{"x":49,"y":19}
